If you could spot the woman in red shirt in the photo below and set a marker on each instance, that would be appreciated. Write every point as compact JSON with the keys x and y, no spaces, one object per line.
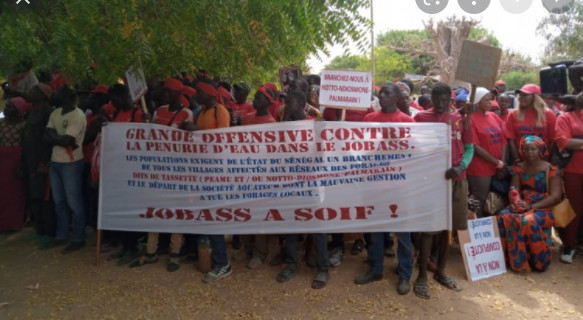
{"x":489,"y":147}
{"x":532,"y":117}
{"x":570,"y":136}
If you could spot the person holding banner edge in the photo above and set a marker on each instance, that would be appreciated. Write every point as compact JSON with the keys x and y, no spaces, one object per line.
{"x":294,"y":111}
{"x":389,"y":94}
{"x":462,"y":152}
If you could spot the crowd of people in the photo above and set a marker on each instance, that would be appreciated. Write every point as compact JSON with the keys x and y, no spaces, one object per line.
{"x":502,"y":141}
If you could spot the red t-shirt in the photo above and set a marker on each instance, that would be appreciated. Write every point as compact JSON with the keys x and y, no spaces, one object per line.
{"x":166,"y":117}
{"x":516,"y":129}
{"x":568,"y":127}
{"x":89,"y":148}
{"x":123,"y":115}
{"x":251,"y":118}
{"x":331,"y":114}
{"x":416,"y":106}
{"x":243,"y":109}
{"x":459,"y":136}
{"x":504,"y":118}
{"x":488,"y":134}
{"x":379,"y":116}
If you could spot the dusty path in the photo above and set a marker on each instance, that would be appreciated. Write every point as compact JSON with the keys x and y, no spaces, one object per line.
{"x":72,"y":287}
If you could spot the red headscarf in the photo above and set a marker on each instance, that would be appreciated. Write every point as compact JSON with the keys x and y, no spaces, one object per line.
{"x":208,"y":89}
{"x":174,"y":84}
{"x":536,"y":141}
{"x":188,"y":93}
{"x":274,"y":104}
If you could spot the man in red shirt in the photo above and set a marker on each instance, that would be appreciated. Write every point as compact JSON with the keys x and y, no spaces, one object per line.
{"x":462,"y":151}
{"x":241,"y":106}
{"x":261,"y":103}
{"x":172,"y":113}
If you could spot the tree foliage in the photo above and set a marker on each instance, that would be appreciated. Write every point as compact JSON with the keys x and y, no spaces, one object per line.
{"x":246,"y":39}
{"x":516,"y":79}
{"x":389,"y":64}
{"x":565,"y":33}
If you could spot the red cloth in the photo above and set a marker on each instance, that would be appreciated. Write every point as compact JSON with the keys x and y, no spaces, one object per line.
{"x":274,"y":107}
{"x":12,"y":206}
{"x":243,"y":108}
{"x":459,"y":136}
{"x":504,"y":118}
{"x":568,"y":128}
{"x":121,"y":116}
{"x":251,"y":118}
{"x":516,"y":129}
{"x":89,"y":148}
{"x":351,"y":115}
{"x":416,"y":106}
{"x":379,"y":116}
{"x":101,"y":88}
{"x":174,"y":84}
{"x":488,"y":133}
{"x":163,"y":116}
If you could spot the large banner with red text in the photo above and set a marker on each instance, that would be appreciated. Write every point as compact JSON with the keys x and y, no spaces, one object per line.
{"x":290,"y":177}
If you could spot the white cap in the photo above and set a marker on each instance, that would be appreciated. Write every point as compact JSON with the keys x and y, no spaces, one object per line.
{"x":480,"y":93}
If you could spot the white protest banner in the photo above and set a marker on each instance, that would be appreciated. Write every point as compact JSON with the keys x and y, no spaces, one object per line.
{"x":136,"y":82}
{"x":482,"y":250}
{"x":290,"y":177}
{"x":344,"y":88}
{"x":478,"y":64}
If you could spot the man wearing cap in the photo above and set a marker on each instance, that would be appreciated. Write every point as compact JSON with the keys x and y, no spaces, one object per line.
{"x":172,"y":113}
{"x":241,"y":106}
{"x":532,"y":117}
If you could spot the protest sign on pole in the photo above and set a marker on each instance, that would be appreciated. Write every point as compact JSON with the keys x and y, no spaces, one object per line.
{"x":482,"y":249}
{"x":346,"y":89}
{"x":137,"y":84}
{"x":293,"y":177}
{"x":478,"y":64}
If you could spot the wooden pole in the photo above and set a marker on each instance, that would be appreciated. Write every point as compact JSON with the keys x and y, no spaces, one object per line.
{"x":143,"y":102}
{"x":343,"y":117}
{"x":98,"y":250}
{"x":372,"y":40}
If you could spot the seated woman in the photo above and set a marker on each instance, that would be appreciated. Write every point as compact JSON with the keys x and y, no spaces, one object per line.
{"x":525,"y":229}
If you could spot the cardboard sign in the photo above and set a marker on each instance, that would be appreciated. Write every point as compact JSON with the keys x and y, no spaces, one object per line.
{"x":478,"y":64}
{"x":482,"y":249}
{"x":345,"y":88}
{"x":287,"y":75}
{"x":136,"y":82}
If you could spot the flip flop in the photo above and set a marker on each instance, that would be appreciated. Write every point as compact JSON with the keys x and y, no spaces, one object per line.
{"x":286,"y":274}
{"x":447,"y":282}
{"x":421,"y":290}
{"x":321,"y":280}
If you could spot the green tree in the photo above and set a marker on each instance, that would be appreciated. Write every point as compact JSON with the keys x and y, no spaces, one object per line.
{"x":389,"y":64}
{"x":516,"y":79}
{"x":564,"y":32}
{"x":238,"y":38}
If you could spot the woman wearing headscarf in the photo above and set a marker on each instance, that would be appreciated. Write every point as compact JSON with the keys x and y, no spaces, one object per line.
{"x":11,"y":183}
{"x":532,"y":117}
{"x":525,"y":226}
{"x":570,"y":137}
{"x":489,"y":147}
{"x":37,"y":154}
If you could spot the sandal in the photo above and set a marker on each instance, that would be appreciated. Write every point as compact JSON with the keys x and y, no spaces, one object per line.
{"x":421,"y":290}
{"x":321,"y":280}
{"x":447,"y":282}
{"x":286,"y":274}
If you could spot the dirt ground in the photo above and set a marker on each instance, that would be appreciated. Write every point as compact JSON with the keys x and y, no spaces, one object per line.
{"x":48,"y":285}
